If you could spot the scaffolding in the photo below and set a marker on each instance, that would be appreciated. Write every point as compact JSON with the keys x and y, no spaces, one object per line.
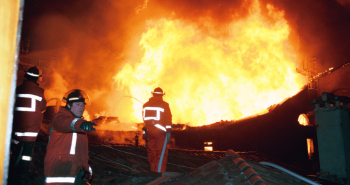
{"x":308,"y":68}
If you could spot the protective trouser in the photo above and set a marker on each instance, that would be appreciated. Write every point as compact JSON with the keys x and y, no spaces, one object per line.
{"x":21,"y":157}
{"x":157,"y":151}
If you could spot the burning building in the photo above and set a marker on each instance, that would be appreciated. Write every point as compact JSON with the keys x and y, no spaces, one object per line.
{"x":228,"y":67}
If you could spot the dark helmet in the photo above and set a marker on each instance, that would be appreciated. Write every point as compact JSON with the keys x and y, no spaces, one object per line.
{"x":76,"y":95}
{"x":33,"y":73}
{"x":158,"y":91}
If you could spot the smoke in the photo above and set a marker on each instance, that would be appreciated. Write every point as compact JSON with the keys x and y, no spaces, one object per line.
{"x":321,"y":29}
{"x":345,"y":3}
{"x":87,"y":40}
{"x":54,"y":85}
{"x":92,"y":40}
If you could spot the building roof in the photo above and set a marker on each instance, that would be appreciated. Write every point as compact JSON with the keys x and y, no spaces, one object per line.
{"x":129,"y":165}
{"x":126,"y":164}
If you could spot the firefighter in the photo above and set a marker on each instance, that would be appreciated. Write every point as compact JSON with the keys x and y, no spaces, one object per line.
{"x":66,"y":159}
{"x":28,"y":114}
{"x":157,"y":132}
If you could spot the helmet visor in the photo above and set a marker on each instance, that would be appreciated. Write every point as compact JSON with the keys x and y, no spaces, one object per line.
{"x":76,"y":95}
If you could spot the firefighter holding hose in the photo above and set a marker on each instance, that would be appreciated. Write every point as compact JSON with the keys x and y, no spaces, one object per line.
{"x":157,"y":132}
{"x":28,"y":114}
{"x":67,"y":157}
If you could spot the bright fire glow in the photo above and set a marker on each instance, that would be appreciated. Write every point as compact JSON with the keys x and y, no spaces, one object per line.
{"x":310,"y":148}
{"x":86,"y":115}
{"x":208,"y":148}
{"x":207,"y":79}
{"x":303,"y":120}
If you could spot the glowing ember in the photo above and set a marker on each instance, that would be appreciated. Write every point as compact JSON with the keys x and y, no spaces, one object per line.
{"x":208,"y":79}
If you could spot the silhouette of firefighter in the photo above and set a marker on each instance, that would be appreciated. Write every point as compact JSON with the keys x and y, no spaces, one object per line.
{"x":157,"y":132}
{"x":67,"y":157}
{"x":28,"y":114}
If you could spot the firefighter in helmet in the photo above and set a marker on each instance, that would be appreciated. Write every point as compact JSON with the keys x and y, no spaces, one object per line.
{"x":66,"y":159}
{"x":28,"y":113}
{"x":157,"y":132}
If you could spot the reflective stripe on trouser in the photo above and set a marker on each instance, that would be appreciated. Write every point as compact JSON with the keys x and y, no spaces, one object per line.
{"x":22,"y":155}
{"x":50,"y":180}
{"x":26,"y":158}
{"x":20,"y":161}
{"x":154,"y":151}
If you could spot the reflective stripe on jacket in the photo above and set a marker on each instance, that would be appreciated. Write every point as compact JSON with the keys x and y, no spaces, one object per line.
{"x":156,"y":112}
{"x":27,"y":118}
{"x":67,"y":150}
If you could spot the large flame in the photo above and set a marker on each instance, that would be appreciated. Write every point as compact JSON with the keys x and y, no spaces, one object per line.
{"x":208,"y":79}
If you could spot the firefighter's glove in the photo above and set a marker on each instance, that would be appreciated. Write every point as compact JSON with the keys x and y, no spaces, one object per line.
{"x":168,"y":136}
{"x":88,"y":126}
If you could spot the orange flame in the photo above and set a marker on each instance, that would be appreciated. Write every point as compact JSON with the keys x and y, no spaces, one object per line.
{"x":208,"y":79}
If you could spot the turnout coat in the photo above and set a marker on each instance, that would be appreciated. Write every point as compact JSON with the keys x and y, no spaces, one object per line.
{"x":157,"y":115}
{"x":67,"y":150}
{"x":30,"y":103}
{"x":158,"y":119}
